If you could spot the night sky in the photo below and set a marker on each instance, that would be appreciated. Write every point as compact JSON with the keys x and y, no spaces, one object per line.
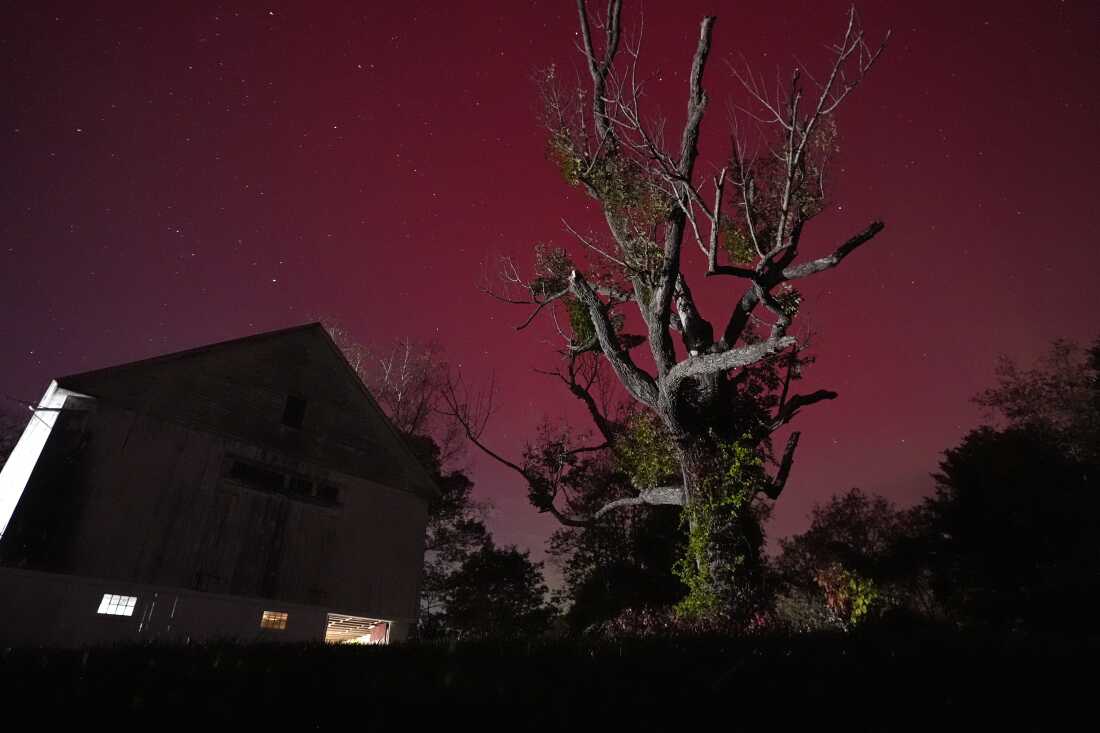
{"x":174,"y":177}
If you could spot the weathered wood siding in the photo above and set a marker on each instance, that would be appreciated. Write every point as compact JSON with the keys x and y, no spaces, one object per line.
{"x":136,"y":484}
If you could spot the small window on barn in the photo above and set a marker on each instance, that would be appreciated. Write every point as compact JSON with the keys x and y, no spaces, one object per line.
{"x":113,"y":605}
{"x":273,"y":620}
{"x":294,"y":412}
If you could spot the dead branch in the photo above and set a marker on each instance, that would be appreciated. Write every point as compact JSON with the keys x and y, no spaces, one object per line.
{"x":824,"y":263}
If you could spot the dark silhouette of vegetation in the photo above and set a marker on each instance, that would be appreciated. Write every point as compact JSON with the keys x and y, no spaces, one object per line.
{"x":1010,"y":538}
{"x":456,"y":529}
{"x":1013,"y":531}
{"x":497,"y":592}
{"x":1058,"y":400}
{"x":624,"y":562}
{"x":867,"y":680}
{"x":1013,"y":527}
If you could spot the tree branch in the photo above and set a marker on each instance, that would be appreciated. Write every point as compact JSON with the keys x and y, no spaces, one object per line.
{"x":789,"y":408}
{"x":739,"y":318}
{"x":776,"y":487}
{"x":640,"y":385}
{"x":698,"y":334}
{"x":732,"y":270}
{"x":824,"y":263}
{"x":660,"y":343}
{"x":724,"y":361}
{"x":697,"y":100}
{"x":715,"y":222}
{"x":658,"y":496}
{"x":473,"y":419}
{"x":600,"y":68}
{"x":540,"y":304}
{"x":606,"y":428}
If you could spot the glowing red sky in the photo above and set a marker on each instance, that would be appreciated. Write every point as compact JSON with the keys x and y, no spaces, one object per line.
{"x":177,"y":177}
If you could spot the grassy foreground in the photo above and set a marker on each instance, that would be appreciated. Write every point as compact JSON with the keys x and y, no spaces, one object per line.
{"x":871,"y":675}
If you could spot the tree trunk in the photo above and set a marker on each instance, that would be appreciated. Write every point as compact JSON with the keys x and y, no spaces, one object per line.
{"x":724,"y":533}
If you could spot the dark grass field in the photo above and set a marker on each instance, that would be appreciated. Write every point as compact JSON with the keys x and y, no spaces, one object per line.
{"x":876,"y":681}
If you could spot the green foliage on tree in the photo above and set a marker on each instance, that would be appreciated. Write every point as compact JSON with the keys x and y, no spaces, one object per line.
{"x":728,"y":493}
{"x":860,"y":558}
{"x":645,"y":453}
{"x":580,"y":325}
{"x":849,"y":597}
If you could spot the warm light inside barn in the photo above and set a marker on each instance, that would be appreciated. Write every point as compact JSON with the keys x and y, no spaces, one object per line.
{"x":273,"y":620}
{"x":344,"y":629}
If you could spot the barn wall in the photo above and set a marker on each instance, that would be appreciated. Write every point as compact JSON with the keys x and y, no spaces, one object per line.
{"x":162,"y":477}
{"x":48,"y":609}
{"x":133,"y":497}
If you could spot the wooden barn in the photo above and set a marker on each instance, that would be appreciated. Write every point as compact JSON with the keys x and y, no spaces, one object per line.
{"x":250,"y":490}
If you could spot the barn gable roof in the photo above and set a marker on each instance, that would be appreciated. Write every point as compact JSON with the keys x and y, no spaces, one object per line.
{"x":240,"y":387}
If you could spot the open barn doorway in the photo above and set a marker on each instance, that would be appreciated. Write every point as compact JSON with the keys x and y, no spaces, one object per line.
{"x":343,"y":629}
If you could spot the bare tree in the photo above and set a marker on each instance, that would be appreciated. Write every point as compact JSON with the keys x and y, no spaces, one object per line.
{"x":747,"y":216}
{"x":407,"y":379}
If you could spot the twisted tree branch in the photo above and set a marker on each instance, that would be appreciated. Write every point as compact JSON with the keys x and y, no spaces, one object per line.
{"x":640,"y":385}
{"x":824,"y":263}
{"x":773,"y":490}
{"x":726,"y":360}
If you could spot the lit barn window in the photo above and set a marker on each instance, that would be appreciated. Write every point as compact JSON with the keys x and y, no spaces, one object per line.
{"x":273,"y":620}
{"x":117,"y":605}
